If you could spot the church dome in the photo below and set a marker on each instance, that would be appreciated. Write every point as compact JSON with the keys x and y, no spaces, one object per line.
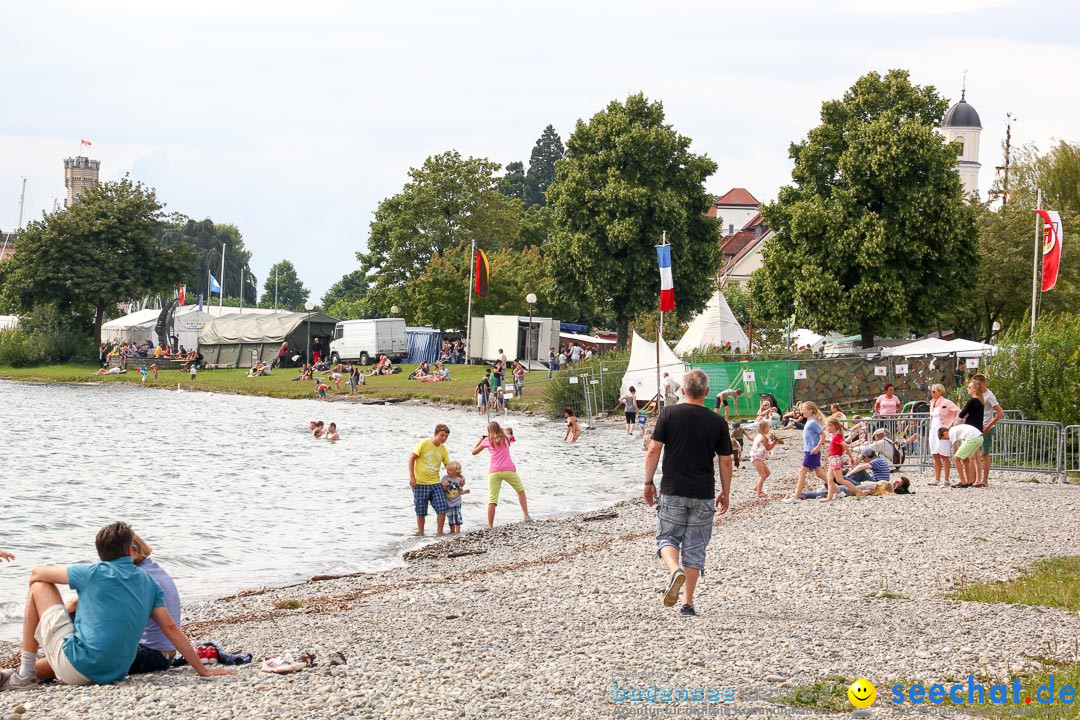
{"x":962,"y":115}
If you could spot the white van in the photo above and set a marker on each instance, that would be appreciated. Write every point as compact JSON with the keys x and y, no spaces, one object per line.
{"x":363,"y":340}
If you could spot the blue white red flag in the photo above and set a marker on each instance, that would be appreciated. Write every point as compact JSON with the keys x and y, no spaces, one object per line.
{"x":667,"y":288}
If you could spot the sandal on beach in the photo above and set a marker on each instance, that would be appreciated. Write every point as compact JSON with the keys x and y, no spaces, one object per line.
{"x":281,"y":664}
{"x":674,"y":586}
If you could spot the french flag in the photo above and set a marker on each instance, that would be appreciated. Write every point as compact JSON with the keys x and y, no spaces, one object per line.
{"x":667,"y":288}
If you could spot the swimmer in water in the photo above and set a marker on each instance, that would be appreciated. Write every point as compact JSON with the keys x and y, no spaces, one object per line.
{"x":573,"y":431}
{"x":319,"y":429}
{"x":331,"y":433}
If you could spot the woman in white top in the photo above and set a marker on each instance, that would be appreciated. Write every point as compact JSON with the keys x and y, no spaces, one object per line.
{"x":992,"y":415}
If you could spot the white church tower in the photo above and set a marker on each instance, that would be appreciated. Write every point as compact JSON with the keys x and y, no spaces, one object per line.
{"x":962,"y":124}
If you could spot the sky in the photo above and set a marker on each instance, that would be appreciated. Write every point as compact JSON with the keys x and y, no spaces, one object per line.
{"x":294,"y":120}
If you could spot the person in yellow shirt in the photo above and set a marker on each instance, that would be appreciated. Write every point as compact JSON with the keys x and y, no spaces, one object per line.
{"x":425,"y":478}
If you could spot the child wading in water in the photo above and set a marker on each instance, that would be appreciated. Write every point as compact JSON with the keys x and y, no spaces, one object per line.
{"x":760,"y":452}
{"x":838,"y":446}
{"x":501,"y":469}
{"x":453,"y":484}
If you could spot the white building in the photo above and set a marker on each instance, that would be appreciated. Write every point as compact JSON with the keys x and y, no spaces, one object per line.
{"x":962,"y":124}
{"x":734,"y":209}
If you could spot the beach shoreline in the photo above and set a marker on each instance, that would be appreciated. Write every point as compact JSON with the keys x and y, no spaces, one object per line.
{"x":539,"y":619}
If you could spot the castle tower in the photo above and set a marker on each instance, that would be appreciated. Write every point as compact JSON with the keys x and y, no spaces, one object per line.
{"x":79,"y":173}
{"x":962,"y":124}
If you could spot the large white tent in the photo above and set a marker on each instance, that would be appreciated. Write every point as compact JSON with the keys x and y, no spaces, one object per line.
{"x":937,"y":346}
{"x":641,"y":370}
{"x":712,"y":328}
{"x":188,"y":320}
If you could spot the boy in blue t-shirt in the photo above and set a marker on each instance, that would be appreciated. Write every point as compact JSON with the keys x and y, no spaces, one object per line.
{"x":116,"y":600}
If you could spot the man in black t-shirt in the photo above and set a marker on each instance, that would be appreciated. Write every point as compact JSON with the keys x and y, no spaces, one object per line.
{"x":690,"y":436}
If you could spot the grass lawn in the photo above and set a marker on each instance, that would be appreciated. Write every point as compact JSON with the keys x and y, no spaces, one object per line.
{"x":1054,"y":582}
{"x":459,"y":391}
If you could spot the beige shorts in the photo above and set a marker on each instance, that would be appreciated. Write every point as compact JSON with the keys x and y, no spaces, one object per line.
{"x":53,"y":628}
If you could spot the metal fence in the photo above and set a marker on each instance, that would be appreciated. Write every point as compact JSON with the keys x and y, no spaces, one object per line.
{"x":1070,"y":450}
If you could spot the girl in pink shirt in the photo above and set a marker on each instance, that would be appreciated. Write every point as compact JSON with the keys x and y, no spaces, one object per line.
{"x":501,"y":468}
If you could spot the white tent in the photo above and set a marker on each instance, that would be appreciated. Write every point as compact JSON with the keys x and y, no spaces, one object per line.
{"x":937,"y":346}
{"x":803,"y":337}
{"x":187,"y":322}
{"x":641,"y":370}
{"x":712,"y":328}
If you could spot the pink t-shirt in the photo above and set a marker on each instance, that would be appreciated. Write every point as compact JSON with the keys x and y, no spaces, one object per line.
{"x":500,"y":457}
{"x":888,"y":405}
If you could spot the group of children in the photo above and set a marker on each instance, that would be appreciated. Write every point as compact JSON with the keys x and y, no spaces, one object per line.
{"x":443,"y":492}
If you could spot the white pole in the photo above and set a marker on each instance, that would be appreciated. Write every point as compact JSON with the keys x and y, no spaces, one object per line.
{"x":468,"y":321}
{"x":275,"y":290}
{"x":241,"y":290}
{"x":1035,"y":261}
{"x":221,"y":292}
{"x":22,"y":202}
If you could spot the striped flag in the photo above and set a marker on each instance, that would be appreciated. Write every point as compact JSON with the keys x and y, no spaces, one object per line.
{"x":667,"y":288}
{"x":483,"y":274}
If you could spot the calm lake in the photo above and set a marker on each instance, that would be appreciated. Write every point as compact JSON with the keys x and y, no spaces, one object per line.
{"x":233,"y":492}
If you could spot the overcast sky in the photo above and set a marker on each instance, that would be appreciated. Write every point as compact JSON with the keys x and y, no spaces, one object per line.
{"x":293,"y":120}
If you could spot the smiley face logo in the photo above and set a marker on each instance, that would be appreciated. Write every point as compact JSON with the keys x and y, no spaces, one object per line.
{"x":862,"y":693}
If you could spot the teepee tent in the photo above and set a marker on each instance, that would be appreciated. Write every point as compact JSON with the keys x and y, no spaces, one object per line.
{"x":712,"y":328}
{"x":641,"y":370}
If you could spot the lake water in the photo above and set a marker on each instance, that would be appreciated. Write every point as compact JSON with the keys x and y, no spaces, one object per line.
{"x":233,"y":492}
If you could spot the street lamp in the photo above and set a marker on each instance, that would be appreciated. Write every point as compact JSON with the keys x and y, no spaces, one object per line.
{"x":531,"y":300}
{"x":309,"y":306}
{"x":394,"y":310}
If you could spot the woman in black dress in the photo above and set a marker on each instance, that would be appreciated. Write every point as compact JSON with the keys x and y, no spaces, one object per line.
{"x":971,"y":414}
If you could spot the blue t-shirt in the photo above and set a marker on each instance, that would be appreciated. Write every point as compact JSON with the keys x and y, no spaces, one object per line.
{"x":115,"y":602}
{"x":152,"y":636}
{"x":879,"y":468}
{"x":811,"y":434}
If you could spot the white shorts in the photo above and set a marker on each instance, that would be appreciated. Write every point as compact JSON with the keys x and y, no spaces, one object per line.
{"x":53,"y":629}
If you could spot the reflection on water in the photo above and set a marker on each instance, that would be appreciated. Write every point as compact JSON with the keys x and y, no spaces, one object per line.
{"x":232,"y":491}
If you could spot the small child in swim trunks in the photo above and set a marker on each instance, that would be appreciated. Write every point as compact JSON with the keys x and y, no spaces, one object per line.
{"x":321,"y":389}
{"x":453,"y":484}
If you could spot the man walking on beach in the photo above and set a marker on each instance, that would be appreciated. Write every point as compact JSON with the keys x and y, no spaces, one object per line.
{"x":689,"y":436}
{"x":427,"y":458}
{"x":116,"y":600}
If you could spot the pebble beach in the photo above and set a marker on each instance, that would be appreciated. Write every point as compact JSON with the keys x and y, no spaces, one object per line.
{"x":549,"y":619}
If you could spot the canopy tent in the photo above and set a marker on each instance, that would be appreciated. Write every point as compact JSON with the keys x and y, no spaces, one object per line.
{"x":937,"y":346}
{"x":803,"y":337}
{"x":714,"y":326}
{"x":230,"y":339}
{"x":586,"y":339}
{"x":9,"y":322}
{"x":135,"y":327}
{"x":425,"y":344}
{"x":641,"y":370}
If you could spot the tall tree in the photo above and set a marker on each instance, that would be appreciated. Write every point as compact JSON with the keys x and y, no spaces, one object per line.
{"x":291,"y":293}
{"x":513,"y":182}
{"x":104,"y":249}
{"x":348,"y":297}
{"x":546,"y":153}
{"x":1056,"y":173}
{"x":206,"y":239}
{"x":627,"y":177}
{"x":448,"y":203}
{"x":874,"y":235}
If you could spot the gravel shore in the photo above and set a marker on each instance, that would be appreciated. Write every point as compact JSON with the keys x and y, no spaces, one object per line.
{"x":541,"y":620}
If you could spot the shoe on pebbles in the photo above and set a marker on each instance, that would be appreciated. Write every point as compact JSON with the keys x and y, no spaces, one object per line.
{"x":671,"y":596}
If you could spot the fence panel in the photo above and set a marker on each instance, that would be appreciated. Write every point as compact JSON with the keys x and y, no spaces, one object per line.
{"x":1070,"y":452}
{"x":1027,"y":445}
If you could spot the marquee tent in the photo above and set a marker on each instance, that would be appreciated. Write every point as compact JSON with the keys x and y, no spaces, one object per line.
{"x":641,"y":370}
{"x":937,"y":346}
{"x":188,"y":320}
{"x":230,"y":339}
{"x":712,"y":328}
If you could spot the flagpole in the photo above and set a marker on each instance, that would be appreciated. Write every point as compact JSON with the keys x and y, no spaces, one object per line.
{"x":275,"y":290}
{"x":221,"y":288}
{"x":241,"y":290}
{"x":468,"y":322}
{"x":1035,"y":261}
{"x":659,"y":339}
{"x":208,"y":295}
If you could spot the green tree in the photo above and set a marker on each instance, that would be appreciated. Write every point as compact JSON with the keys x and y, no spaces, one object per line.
{"x":874,"y":235}
{"x":513,"y":182}
{"x":448,"y":203}
{"x":206,"y":239}
{"x":627,"y":177}
{"x":546,"y":153}
{"x":1056,"y":173}
{"x":348,"y":297}
{"x":291,"y":293}
{"x":104,"y":249}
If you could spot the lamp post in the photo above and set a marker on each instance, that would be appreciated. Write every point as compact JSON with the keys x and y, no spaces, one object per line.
{"x":309,"y":306}
{"x":394,"y":310}
{"x":531,"y":300}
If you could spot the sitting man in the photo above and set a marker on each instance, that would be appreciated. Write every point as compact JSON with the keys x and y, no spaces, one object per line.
{"x":115,"y":601}
{"x":872,"y":467}
{"x":420,"y":372}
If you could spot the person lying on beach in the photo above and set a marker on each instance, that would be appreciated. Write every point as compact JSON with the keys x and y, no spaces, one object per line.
{"x":332,"y":433}
{"x":117,"y":599}
{"x":156,"y":652}
{"x":111,"y":371}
